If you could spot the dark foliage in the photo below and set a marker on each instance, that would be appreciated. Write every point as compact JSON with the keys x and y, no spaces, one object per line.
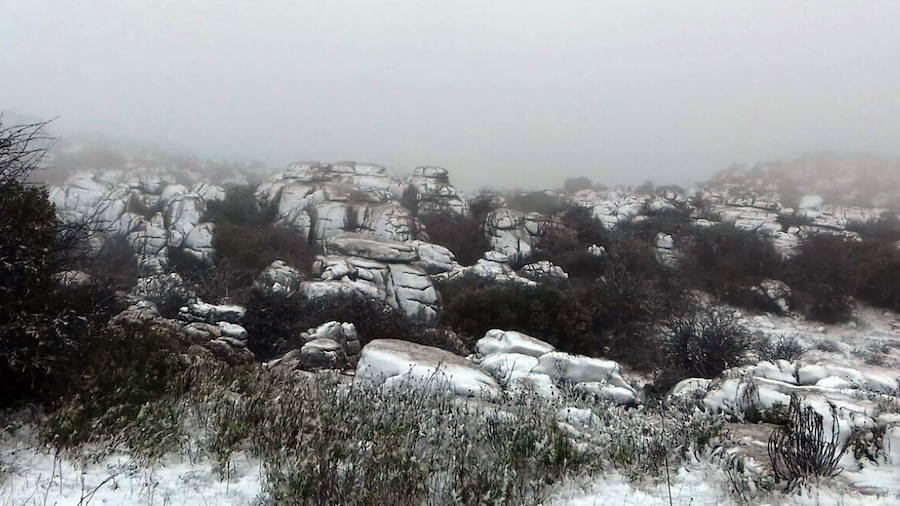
{"x":126,"y":369}
{"x":618,"y":315}
{"x":274,"y":322}
{"x":239,"y":207}
{"x":727,"y":262}
{"x":463,"y":235}
{"x":793,"y":219}
{"x":823,"y":277}
{"x":801,"y":448}
{"x":785,"y":348}
{"x":704,"y":344}
{"x":43,"y":325}
{"x":878,"y":273}
{"x":246,"y":241}
{"x":410,"y":199}
{"x":885,"y":228}
{"x":574,"y":184}
{"x":544,"y":202}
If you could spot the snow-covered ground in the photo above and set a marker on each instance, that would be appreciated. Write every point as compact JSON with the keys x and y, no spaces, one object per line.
{"x":34,"y":475}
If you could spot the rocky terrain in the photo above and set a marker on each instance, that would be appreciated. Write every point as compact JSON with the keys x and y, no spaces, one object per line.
{"x":366,"y":229}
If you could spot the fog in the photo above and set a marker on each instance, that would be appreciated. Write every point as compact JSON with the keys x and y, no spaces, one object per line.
{"x":502,"y":93}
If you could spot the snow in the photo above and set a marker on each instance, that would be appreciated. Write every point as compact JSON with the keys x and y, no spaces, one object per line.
{"x":38,"y":477}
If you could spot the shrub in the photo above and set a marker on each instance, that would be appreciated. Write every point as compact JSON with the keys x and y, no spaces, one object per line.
{"x":885,"y":228}
{"x":728,"y":262}
{"x":543,"y":202}
{"x":242,"y":251}
{"x":574,"y":184}
{"x":42,"y":324}
{"x":463,"y":235}
{"x":129,"y":369}
{"x":274,"y":322}
{"x":794,"y":219}
{"x":705,"y":344}
{"x":878,"y":273}
{"x":823,"y":278}
{"x":320,"y":443}
{"x":239,"y":207}
{"x":801,"y":449}
{"x":785,"y":348}
{"x":617,"y":315}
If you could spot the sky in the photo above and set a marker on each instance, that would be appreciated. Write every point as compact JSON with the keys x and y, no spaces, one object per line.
{"x":512,"y":94}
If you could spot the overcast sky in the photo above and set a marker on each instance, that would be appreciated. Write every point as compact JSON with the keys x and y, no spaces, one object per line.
{"x":502,"y":93}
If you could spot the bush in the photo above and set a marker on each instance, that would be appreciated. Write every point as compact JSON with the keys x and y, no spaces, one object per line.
{"x":320,"y":443}
{"x":239,"y":207}
{"x":128,"y":370}
{"x":878,"y":273}
{"x":728,"y":262}
{"x":242,"y":251}
{"x":705,"y":344}
{"x":794,"y":219}
{"x":574,"y":184}
{"x":543,"y":202}
{"x":801,"y":449}
{"x":823,"y":278}
{"x":463,"y":235}
{"x":617,"y":315}
{"x":785,"y":348}
{"x":274,"y":322}
{"x":42,"y":324}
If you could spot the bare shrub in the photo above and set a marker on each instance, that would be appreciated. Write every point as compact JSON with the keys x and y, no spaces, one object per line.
{"x":705,"y":344}
{"x":801,"y":448}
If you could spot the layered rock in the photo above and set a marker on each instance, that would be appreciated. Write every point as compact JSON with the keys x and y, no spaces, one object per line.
{"x":525,"y":364}
{"x":434,"y":192}
{"x":393,"y":364}
{"x":389,"y":271}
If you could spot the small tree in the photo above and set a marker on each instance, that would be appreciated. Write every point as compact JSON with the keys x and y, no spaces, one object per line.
{"x":41,"y":322}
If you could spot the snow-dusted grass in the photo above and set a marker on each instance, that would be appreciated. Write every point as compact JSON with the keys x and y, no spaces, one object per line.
{"x":321,"y":441}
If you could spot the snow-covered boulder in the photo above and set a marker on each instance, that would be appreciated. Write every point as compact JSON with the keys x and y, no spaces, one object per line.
{"x":543,"y":270}
{"x":523,"y":363}
{"x":393,"y":364}
{"x":506,"y":231}
{"x":385,"y":270}
{"x":279,"y":278}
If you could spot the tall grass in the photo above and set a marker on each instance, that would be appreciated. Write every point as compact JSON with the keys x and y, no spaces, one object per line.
{"x":323,"y":441}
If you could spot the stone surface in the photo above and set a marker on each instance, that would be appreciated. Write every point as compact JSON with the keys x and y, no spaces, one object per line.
{"x":393,"y":364}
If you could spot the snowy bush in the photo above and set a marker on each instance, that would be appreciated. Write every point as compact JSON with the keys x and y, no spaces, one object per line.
{"x":705,"y":344}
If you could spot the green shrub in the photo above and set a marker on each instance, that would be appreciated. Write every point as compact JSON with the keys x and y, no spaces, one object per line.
{"x":42,"y":324}
{"x":878,"y":272}
{"x":129,"y":371}
{"x":618,"y":315}
{"x":544,"y":202}
{"x":274,"y":322}
{"x":463,"y":235}
{"x":728,"y":262}
{"x":824,"y":278}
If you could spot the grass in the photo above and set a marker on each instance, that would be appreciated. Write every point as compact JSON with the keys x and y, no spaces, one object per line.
{"x":322,"y":441}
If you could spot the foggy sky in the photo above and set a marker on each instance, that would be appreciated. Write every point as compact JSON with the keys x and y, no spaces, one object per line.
{"x":502,"y":93}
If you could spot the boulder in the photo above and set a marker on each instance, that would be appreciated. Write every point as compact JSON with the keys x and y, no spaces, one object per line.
{"x":524,"y":364}
{"x":279,"y":278}
{"x":542,"y":270}
{"x":506,"y":231}
{"x":393,"y":364}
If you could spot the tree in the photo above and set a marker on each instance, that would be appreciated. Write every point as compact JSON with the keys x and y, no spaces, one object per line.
{"x":40,"y":320}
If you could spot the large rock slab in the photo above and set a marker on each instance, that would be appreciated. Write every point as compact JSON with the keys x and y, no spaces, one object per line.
{"x":394,"y":364}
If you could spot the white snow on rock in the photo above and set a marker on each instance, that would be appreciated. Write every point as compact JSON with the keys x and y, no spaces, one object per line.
{"x":279,"y":278}
{"x":526,"y":364}
{"x":391,"y":363}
